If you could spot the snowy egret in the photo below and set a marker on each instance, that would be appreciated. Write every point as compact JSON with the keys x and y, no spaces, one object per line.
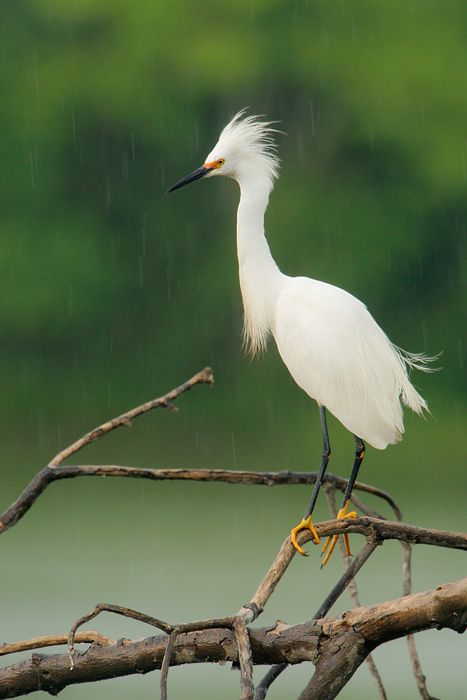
{"x":327,"y":338}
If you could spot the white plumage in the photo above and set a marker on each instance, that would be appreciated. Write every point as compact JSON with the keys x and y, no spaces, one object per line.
{"x":337,"y":353}
{"x":327,"y":338}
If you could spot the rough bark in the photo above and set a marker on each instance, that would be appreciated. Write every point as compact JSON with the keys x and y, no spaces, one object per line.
{"x":337,"y":646}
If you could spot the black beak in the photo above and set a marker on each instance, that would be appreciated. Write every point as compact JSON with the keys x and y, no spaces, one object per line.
{"x":201,"y":172}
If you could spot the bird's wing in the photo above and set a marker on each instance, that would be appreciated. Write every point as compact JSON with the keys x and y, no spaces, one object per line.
{"x":338,"y":354}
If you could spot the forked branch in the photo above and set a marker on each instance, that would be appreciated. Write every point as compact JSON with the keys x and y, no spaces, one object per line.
{"x":203,"y":377}
{"x":54,"y":472}
{"x":336,"y":646}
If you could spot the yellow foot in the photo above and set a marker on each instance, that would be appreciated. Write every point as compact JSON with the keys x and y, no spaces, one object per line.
{"x":331,"y":541}
{"x":304,"y":525}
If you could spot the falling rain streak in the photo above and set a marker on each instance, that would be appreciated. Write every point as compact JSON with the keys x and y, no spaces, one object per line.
{"x":108,"y":284}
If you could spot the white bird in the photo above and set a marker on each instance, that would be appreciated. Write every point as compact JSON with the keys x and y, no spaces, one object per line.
{"x":330,"y":343}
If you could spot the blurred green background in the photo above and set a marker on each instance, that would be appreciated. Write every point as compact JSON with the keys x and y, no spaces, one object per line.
{"x":112,"y":294}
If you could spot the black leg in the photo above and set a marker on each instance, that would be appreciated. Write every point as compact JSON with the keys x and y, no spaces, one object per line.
{"x":331,"y":541}
{"x":306,"y":522}
{"x":324,"y":463}
{"x":359,"y":454}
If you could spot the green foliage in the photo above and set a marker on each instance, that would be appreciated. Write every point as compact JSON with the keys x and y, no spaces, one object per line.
{"x":105,"y":104}
{"x":112,"y":293}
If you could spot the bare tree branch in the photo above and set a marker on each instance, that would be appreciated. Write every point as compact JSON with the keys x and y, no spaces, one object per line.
{"x":329,"y":486}
{"x":352,"y":586}
{"x":337,"y":646}
{"x":265,"y":683}
{"x":420,"y":679}
{"x":336,"y":592}
{"x":203,"y":377}
{"x":53,"y":640}
{"x":348,"y":575}
{"x":375,"y":530}
{"x":48,"y":475}
{"x":53,"y":471}
{"x":118,"y":610}
{"x":343,"y":652}
{"x":415,"y":661}
{"x":166,"y":662}
{"x":388,"y":530}
{"x":245,"y":658}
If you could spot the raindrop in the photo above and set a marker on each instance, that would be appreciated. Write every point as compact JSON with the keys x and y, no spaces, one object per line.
{"x":107,"y":191}
{"x":168,"y":284}
{"x":143,"y":235}
{"x":140,"y":262}
{"x":31,"y":160}
{"x":233,"y":452}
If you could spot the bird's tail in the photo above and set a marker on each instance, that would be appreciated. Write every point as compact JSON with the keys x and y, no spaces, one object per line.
{"x":415,"y":360}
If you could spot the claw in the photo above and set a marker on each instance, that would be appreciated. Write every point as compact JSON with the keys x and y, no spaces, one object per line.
{"x":304,"y":525}
{"x":331,"y":541}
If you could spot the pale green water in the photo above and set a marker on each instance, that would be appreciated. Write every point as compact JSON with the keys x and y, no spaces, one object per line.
{"x":112,"y":294}
{"x":182,"y":551}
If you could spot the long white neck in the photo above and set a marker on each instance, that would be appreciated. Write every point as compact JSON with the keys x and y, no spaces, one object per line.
{"x":260,"y":278}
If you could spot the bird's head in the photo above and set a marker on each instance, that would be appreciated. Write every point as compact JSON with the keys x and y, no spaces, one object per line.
{"x":245,"y":149}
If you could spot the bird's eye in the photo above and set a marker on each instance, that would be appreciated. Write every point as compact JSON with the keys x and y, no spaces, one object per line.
{"x":221,"y":161}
